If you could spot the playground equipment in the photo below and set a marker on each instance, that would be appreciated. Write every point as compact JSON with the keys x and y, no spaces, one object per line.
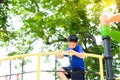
{"x":38,"y":55}
{"x":106,"y":34}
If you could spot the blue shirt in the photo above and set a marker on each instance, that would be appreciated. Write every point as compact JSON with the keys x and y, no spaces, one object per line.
{"x":76,"y":62}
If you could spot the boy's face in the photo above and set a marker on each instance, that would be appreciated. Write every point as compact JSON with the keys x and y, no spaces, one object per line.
{"x":72,"y":45}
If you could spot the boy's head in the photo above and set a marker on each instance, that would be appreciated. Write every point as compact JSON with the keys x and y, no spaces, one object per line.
{"x":72,"y":41}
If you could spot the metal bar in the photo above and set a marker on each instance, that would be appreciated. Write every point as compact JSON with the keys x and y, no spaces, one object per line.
{"x":18,"y":73}
{"x":38,"y":68}
{"x":10,"y":69}
{"x":47,"y":53}
{"x":108,"y":58}
{"x":92,"y":55}
{"x":28,"y":55}
{"x":101,"y":68}
{"x":85,"y":60}
{"x":55,"y":67}
{"x":22,"y":69}
{"x":90,"y":72}
{"x":44,"y":54}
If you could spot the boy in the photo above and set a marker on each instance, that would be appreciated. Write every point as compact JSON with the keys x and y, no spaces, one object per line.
{"x":76,"y":69}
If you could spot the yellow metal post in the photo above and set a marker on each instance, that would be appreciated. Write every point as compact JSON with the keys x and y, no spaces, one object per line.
{"x":38,"y":68}
{"x":100,"y":63}
{"x":101,"y":68}
{"x":117,"y":78}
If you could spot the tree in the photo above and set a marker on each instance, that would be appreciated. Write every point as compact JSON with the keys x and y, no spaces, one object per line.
{"x":52,"y":21}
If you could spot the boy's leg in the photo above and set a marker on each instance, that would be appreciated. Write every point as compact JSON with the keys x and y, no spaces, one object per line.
{"x":63,"y":74}
{"x":78,"y":74}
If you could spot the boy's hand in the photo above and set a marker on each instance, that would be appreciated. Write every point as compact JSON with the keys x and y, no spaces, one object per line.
{"x":71,"y":52}
{"x":59,"y":55}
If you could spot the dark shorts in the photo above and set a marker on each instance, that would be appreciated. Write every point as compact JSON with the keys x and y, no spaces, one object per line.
{"x":74,"y":73}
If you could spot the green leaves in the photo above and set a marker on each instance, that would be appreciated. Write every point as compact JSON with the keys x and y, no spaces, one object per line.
{"x":51,"y":21}
{"x":14,"y":53}
{"x":105,"y":31}
{"x":115,"y":35}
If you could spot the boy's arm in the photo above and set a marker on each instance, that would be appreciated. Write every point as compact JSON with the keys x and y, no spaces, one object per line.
{"x":80,"y":55}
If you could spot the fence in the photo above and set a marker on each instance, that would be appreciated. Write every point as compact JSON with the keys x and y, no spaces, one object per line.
{"x":38,"y":56}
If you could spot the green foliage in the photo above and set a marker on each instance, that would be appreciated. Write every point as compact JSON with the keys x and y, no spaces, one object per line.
{"x":13,"y":53}
{"x":114,"y":34}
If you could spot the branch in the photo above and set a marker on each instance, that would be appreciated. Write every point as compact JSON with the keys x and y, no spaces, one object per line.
{"x":30,"y":45}
{"x":1,"y":1}
{"x":4,"y":31}
{"x":89,"y":37}
{"x":54,"y":41}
